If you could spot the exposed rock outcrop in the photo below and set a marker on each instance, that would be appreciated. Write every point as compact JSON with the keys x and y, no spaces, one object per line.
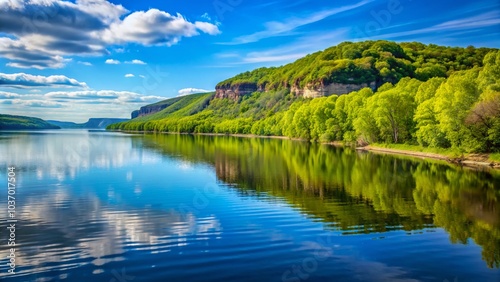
{"x":235,"y":91}
{"x":135,"y":114}
{"x":147,"y":110}
{"x":330,"y":89}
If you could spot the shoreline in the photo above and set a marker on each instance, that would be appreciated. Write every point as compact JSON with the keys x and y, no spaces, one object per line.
{"x":464,"y":161}
{"x":424,"y":155}
{"x":247,"y":136}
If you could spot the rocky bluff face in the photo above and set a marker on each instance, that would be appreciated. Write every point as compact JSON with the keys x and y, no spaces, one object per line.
{"x":331,"y":89}
{"x":235,"y":91}
{"x":147,"y":110}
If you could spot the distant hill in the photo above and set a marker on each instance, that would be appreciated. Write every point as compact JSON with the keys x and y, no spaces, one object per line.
{"x":64,"y":124}
{"x":100,"y":123}
{"x":174,"y":107}
{"x":11,"y":122}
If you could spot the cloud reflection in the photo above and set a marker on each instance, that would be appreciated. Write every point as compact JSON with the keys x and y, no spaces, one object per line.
{"x":69,"y":231}
{"x":72,"y":151}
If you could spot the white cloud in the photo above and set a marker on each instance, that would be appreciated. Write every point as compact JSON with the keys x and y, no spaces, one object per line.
{"x":76,"y":105}
{"x":22,"y":56}
{"x":23,"y":80}
{"x":43,"y":33}
{"x":85,"y":63}
{"x":136,"y":62}
{"x":484,"y":20}
{"x":33,"y":103}
{"x":207,"y":28}
{"x":129,"y":75}
{"x":257,"y":58}
{"x":274,"y":28}
{"x":142,"y":76}
{"x":206,"y":16}
{"x":227,"y":55}
{"x":82,"y":95}
{"x":291,"y":51}
{"x":155,"y":27}
{"x":112,"y":62}
{"x":8,"y":95}
{"x":188,"y":91}
{"x":101,"y":97}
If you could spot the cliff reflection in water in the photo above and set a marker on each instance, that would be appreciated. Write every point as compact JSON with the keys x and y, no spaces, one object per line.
{"x":352,"y":191}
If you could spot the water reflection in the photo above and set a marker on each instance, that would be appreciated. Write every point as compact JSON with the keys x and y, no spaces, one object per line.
{"x":352,"y":191}
{"x":69,"y":216}
{"x":85,"y":229}
{"x":95,"y":199}
{"x":72,"y":151}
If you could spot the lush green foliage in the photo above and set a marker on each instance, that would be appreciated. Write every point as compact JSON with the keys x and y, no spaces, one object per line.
{"x":168,"y":119}
{"x":365,"y":62}
{"x":460,"y":111}
{"x":21,"y":122}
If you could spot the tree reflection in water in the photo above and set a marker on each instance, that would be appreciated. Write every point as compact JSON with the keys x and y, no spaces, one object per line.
{"x":352,"y":191}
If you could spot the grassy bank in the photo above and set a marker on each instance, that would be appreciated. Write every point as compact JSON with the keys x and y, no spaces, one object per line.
{"x":495,"y":157}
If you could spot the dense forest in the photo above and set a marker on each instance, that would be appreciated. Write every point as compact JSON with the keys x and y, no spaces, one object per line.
{"x":427,"y":95}
{"x":364,"y":62}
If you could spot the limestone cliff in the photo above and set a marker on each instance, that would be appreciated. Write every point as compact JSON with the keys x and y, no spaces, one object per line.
{"x":147,"y":110}
{"x":154,"y":108}
{"x":330,"y":89}
{"x":236,"y":91}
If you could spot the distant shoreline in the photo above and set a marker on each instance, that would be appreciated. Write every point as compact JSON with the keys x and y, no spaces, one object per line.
{"x":461,"y":161}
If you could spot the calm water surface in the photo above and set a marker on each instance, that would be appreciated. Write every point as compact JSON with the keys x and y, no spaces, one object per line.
{"x":101,"y":206}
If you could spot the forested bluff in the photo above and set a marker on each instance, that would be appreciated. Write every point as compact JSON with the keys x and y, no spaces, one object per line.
{"x":361,"y":93}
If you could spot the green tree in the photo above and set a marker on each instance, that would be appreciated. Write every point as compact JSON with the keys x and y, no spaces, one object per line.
{"x":392,"y":111}
{"x":454,"y":98}
{"x":428,"y":132}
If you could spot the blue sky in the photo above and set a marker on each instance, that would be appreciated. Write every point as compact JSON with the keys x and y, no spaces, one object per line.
{"x":71,"y":60}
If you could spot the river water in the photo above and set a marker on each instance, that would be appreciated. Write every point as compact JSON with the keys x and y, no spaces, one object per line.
{"x":115,"y":207}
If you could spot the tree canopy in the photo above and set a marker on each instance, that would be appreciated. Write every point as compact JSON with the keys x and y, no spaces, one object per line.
{"x":364,"y":62}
